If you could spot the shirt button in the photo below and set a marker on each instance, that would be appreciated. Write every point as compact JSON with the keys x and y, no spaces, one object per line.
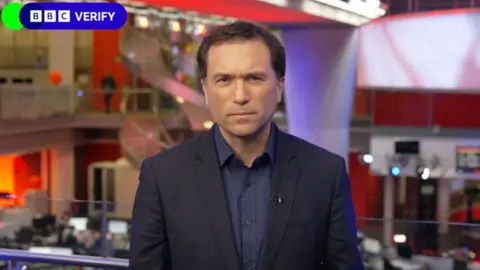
{"x":248,"y":222}
{"x":249,"y":263}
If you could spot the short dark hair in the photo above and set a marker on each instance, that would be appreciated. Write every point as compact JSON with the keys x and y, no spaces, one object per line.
{"x":242,"y":30}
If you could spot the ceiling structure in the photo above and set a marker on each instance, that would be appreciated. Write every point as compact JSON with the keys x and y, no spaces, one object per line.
{"x":258,"y":11}
{"x":243,"y":9}
{"x":407,"y":6}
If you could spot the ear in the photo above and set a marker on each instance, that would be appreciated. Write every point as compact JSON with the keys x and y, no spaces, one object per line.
{"x":205,"y":92}
{"x":280,"y":88}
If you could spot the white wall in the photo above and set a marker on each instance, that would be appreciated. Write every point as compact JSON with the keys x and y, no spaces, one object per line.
{"x":126,"y":177}
{"x":23,"y":37}
{"x":61,"y":55}
{"x":125,"y":185}
{"x":62,"y":189}
{"x":382,"y":147}
{"x":38,"y":38}
{"x":27,"y":49}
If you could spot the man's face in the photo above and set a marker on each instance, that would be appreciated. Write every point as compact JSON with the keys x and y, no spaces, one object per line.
{"x":241,"y":87}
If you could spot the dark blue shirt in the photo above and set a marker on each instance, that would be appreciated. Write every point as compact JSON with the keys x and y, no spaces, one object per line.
{"x":248,"y":191}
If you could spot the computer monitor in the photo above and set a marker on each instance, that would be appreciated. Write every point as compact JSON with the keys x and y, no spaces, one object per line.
{"x":78,"y":223}
{"x":50,"y":220}
{"x":404,"y":251}
{"x":51,"y":250}
{"x":39,"y":223}
{"x":118,"y":227}
{"x":372,"y":246}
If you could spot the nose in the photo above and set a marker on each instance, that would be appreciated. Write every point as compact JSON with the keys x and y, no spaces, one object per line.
{"x":241,"y":95}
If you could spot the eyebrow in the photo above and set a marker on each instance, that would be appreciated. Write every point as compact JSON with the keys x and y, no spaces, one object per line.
{"x":249,"y":74}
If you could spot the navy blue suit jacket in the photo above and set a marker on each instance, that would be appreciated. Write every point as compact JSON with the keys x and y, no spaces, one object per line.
{"x":181,"y":218}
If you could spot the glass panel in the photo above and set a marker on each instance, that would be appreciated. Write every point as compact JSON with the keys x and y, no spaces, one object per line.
{"x":24,"y":38}
{"x":42,"y":38}
{"x":110,"y":185}
{"x":98,"y":186}
{"x":6,"y":36}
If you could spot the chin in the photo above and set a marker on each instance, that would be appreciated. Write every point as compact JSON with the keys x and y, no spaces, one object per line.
{"x":243,"y":130}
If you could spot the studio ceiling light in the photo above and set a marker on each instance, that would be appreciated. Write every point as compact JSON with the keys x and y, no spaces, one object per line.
{"x":353,"y":12}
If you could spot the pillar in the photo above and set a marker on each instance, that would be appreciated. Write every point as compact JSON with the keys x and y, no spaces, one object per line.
{"x":388,"y":210}
{"x":443,"y":204}
{"x":61,"y":56}
{"x":44,"y":169}
{"x":402,"y":197}
{"x":320,"y":83}
{"x":402,"y":194}
{"x":62,"y":182}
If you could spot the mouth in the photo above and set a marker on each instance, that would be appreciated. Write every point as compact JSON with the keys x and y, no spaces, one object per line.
{"x":243,"y":114}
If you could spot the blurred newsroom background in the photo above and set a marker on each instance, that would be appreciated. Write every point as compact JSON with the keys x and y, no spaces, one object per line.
{"x":392,"y":86}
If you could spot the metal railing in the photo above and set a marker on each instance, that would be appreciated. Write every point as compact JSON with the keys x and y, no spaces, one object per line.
{"x":35,"y":101}
{"x":139,"y":136}
{"x":16,"y":259}
{"x":37,"y":57}
{"x":417,"y":233}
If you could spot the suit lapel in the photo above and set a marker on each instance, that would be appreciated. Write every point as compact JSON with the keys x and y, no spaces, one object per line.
{"x":214,"y":200}
{"x":285,"y":176}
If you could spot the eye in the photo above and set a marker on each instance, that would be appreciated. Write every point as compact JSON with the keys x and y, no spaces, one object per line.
{"x":223,"y":79}
{"x":254,"y":78}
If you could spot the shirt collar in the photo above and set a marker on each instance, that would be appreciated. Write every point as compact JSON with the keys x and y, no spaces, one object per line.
{"x":225,"y":152}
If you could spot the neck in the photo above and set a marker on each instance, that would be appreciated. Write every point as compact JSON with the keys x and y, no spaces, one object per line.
{"x":250,"y":147}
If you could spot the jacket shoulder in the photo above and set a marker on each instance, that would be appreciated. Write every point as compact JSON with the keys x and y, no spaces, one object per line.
{"x":177,"y":155}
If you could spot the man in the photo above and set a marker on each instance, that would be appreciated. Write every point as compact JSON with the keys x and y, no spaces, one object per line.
{"x":245,"y":195}
{"x":109,"y":85}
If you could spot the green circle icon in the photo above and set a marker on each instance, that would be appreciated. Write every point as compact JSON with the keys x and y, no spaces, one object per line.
{"x":11,"y":16}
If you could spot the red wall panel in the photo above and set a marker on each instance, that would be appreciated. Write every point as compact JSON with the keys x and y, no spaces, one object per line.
{"x":420,"y":110}
{"x":105,"y":58}
{"x":456,"y":110}
{"x":364,"y":188}
{"x":361,"y":103}
{"x":461,"y":215}
{"x":401,"y":109}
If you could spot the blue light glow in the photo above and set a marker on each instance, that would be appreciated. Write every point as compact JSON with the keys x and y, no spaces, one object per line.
{"x":395,"y":171}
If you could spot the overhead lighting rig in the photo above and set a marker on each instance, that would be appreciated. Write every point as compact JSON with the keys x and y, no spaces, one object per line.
{"x":151,"y":16}
{"x":353,"y":12}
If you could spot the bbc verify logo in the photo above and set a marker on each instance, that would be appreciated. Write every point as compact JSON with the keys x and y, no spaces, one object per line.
{"x":38,"y":16}
{"x":53,"y":16}
{"x":73,"y":16}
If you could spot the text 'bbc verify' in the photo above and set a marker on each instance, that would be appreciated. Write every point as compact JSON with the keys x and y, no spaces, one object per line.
{"x":64,"y":16}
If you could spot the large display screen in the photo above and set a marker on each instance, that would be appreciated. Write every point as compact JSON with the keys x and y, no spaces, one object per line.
{"x":468,"y":159}
{"x":440,"y":52}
